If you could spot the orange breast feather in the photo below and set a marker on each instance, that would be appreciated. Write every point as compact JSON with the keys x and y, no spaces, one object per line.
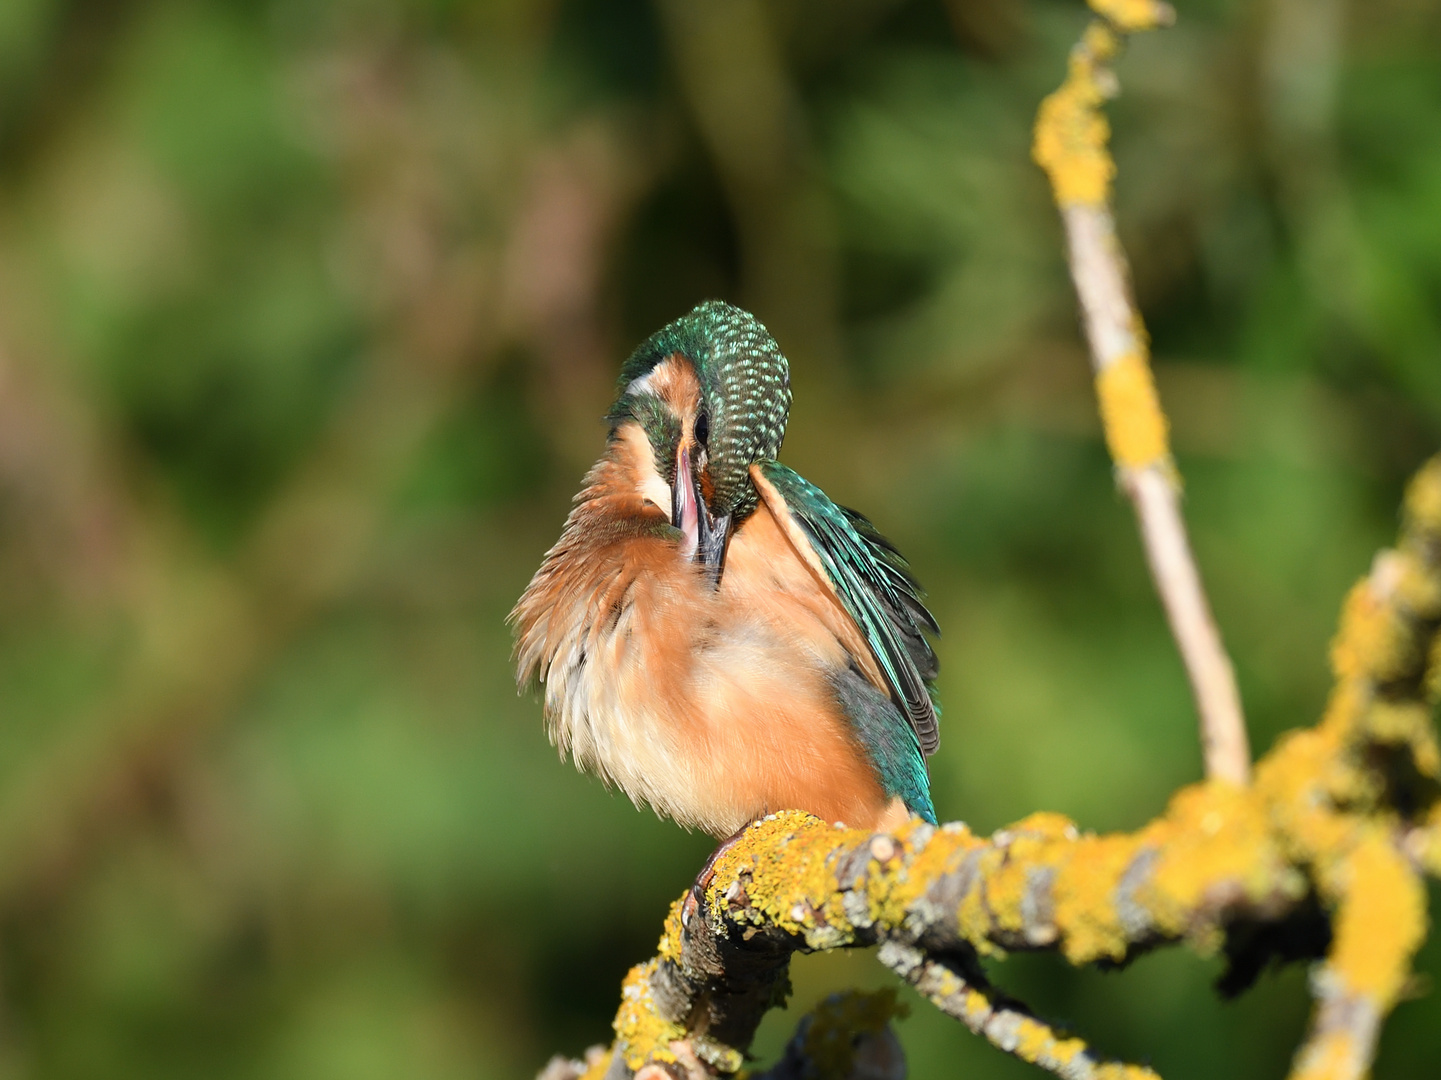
{"x":711,"y":705}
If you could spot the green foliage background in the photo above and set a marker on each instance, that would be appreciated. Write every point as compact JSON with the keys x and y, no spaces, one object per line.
{"x":308,"y":314}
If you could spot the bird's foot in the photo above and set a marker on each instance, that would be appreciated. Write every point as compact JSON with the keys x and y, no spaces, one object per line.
{"x":703,"y":880}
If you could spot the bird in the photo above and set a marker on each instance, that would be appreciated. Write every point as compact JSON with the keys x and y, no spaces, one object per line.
{"x":714,"y":636}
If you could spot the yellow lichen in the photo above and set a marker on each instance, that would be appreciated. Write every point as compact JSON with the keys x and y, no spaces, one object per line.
{"x":1085,"y":898}
{"x":1212,"y":835}
{"x":1426,"y":843}
{"x":641,"y":1033}
{"x":1065,"y":1051}
{"x":1331,"y":1057}
{"x":1045,"y":824}
{"x":1289,"y":782}
{"x":1408,"y":724}
{"x":1009,"y":880}
{"x":1345,"y":708}
{"x":977,"y":1005}
{"x":1115,"y":1070}
{"x":1131,"y":413}
{"x":1423,"y":498}
{"x":943,"y":854}
{"x":1006,"y":887}
{"x":973,"y":918}
{"x":1035,"y":1040}
{"x":1032,"y":1039}
{"x":829,"y":1042}
{"x":1071,"y":134}
{"x":1416,"y":587}
{"x":1372,"y":638}
{"x":1133,"y":15}
{"x":1381,"y":922}
{"x":597,"y":1066}
{"x":1431,"y":682}
{"x":788,"y":856}
{"x":670,"y":938}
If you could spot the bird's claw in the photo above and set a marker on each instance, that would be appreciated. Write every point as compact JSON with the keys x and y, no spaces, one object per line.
{"x":703,"y":880}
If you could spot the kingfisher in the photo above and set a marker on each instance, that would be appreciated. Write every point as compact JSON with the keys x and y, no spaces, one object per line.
{"x":714,"y":635}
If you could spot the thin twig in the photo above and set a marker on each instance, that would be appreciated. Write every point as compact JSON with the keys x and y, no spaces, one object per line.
{"x":1071,"y":138}
{"x":1005,"y":1024}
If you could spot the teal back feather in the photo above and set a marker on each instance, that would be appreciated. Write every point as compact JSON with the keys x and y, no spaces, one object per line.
{"x":888,"y":740}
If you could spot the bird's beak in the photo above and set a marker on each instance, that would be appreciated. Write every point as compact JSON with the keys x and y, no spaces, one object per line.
{"x":703,"y":535}
{"x":715,"y":533}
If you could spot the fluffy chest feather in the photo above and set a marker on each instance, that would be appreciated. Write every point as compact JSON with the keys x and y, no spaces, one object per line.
{"x":711,"y":705}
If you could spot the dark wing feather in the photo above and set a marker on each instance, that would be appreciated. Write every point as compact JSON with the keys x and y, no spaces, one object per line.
{"x":875,"y":586}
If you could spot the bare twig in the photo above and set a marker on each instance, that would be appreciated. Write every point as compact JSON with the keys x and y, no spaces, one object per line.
{"x":1071,"y":137}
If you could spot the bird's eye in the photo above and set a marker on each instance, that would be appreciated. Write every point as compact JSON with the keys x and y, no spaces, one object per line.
{"x":702,"y":429}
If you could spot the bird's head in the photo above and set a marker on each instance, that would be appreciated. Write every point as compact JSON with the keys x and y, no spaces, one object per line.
{"x":712,"y":393}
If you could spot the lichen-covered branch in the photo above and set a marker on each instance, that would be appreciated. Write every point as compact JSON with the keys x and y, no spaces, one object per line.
{"x":1071,"y":145}
{"x":1368,"y":774}
{"x":848,"y":1036}
{"x":1003,"y":1023}
{"x":1340,"y":824}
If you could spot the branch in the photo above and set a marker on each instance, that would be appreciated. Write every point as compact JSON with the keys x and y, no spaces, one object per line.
{"x":1005,"y":1024}
{"x":1387,"y":660}
{"x":1071,"y":145}
{"x":1345,"y":816}
{"x":848,"y":1036}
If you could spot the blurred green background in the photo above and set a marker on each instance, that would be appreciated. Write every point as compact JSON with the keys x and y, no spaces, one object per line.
{"x":308,"y":314}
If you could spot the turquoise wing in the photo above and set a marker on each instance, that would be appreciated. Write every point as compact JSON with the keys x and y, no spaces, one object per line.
{"x":877,"y":590}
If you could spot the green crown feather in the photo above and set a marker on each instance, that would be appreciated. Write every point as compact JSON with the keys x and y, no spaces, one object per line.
{"x":745,"y":387}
